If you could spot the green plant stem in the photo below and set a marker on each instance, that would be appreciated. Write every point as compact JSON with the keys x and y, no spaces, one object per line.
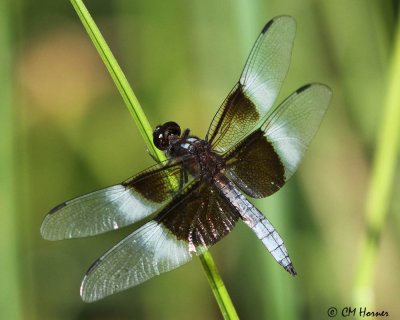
{"x":220,"y":293}
{"x":381,"y":181}
{"x":118,"y":76}
{"x":216,"y":283}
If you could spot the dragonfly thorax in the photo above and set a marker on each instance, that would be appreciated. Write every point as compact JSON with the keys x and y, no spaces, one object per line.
{"x":197,"y":157}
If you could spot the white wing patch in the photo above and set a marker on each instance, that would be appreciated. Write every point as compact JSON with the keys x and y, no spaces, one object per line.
{"x":147,"y":252}
{"x":293,"y":124}
{"x":130,"y":206}
{"x":97,"y":212}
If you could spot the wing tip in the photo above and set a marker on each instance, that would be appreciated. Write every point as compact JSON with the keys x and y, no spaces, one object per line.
{"x":46,"y":229}
{"x":266,"y":27}
{"x":94,"y":265}
{"x":301,"y":89}
{"x":289,"y":19}
{"x":315,"y":85}
{"x":56,"y":208}
{"x":86,"y":295}
{"x":43,"y":232}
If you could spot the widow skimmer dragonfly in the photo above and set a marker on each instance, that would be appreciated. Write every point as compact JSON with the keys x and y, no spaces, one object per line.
{"x":197,"y":195}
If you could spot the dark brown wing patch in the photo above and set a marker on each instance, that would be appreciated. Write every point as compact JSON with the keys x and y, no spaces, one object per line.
{"x":156,"y":185}
{"x":237,"y":115}
{"x":255,"y":167}
{"x":199,"y":216}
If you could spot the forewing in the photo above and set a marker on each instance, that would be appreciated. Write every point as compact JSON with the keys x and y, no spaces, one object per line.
{"x":259,"y":85}
{"x":266,"y":159}
{"x":114,"y":207}
{"x":196,"y":218}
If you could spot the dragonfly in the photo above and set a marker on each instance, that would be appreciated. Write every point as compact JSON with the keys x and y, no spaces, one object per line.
{"x":195,"y":197}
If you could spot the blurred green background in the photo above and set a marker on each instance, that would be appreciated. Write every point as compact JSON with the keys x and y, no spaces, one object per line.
{"x":65,"y":131}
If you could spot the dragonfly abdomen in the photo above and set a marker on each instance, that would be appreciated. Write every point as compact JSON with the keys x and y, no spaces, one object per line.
{"x":260,"y":225}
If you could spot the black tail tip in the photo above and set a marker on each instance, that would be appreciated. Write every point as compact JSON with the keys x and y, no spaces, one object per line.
{"x":291,"y":270}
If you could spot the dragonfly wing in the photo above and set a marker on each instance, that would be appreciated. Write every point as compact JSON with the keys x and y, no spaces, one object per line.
{"x":113,"y":207}
{"x":262,"y":163}
{"x":259,"y":85}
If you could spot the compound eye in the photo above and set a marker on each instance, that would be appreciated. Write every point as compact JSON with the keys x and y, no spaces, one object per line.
{"x":162,"y":133}
{"x":158,"y":138}
{"x":172,"y":128}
